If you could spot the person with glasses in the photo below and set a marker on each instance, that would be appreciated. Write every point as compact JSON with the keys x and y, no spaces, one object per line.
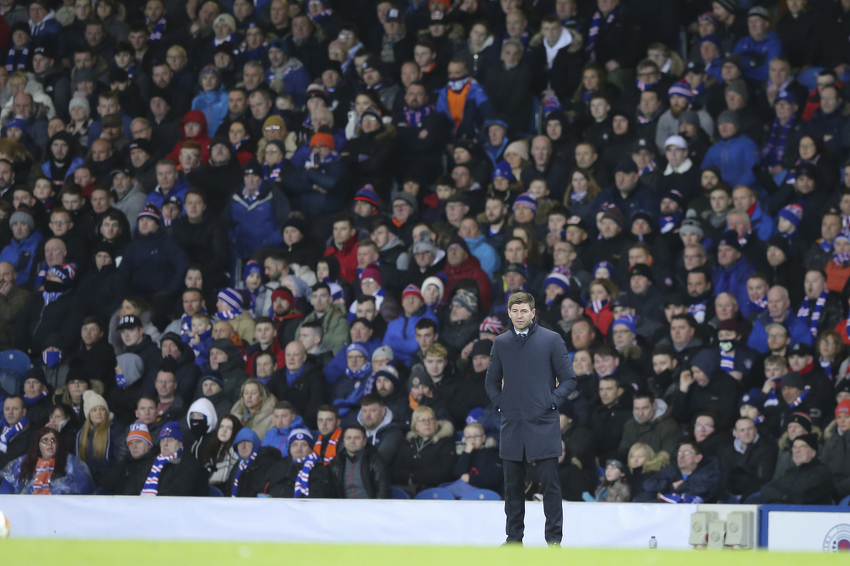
{"x":427,"y":459}
{"x":694,"y":478}
{"x":46,"y":469}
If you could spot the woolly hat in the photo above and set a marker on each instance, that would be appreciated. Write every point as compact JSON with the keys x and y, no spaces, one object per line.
{"x":626,"y":320}
{"x":642,"y":215}
{"x":357,"y":347}
{"x":503,"y":169}
{"x":491,"y":325}
{"x":175,"y":339}
{"x":739,"y":87}
{"x":367,"y":194}
{"x":324,"y":139}
{"x":372,"y":272}
{"x":280,"y":44}
{"x":251,"y":267}
{"x":786,"y":96}
{"x":273,"y":121}
{"x":19,"y":123}
{"x":22,"y":217}
{"x":753,"y":398}
{"x":227,"y":20}
{"x":285,"y":294}
{"x":298,"y":223}
{"x":315,"y":91}
{"x":843,"y":408}
{"x":675,"y":196}
{"x":517,"y":268}
{"x":730,"y":238}
{"x":802,"y":419}
{"x":79,"y":102}
{"x":425,"y":244}
{"x":689,"y":117}
{"x":300,"y":434}
{"x":411,"y":290}
{"x":35,"y":373}
{"x":438,"y":283}
{"x":614,"y":214}
{"x":527,"y":200}
{"x":92,"y":400}
{"x":605,"y":265}
{"x":681,"y":88}
{"x":730,"y":6}
{"x":691,"y":225}
{"x":419,"y":376}
{"x":810,"y":439}
{"x":466,"y":300}
{"x":171,"y":429}
{"x":460,"y":242}
{"x":519,"y":147}
{"x":626,"y":166}
{"x":390,"y":373}
{"x":408,"y":198}
{"x":132,"y":366}
{"x":793,"y":379}
{"x":139,"y":431}
{"x":209,"y":70}
{"x":707,"y":360}
{"x":215,"y":377}
{"x":336,"y":291}
{"x":793,"y":213}
{"x":252,"y":167}
{"x":481,"y":348}
{"x":729,"y":117}
{"x":150,"y":211}
{"x":385,"y":351}
{"x":231,"y":297}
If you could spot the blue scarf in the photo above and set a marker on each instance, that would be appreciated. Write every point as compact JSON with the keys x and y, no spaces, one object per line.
{"x":414,"y":117}
{"x":799,"y":400}
{"x":302,"y":484}
{"x":22,"y":62}
{"x":233,"y":313}
{"x":131,"y":71}
{"x":648,"y":169}
{"x":522,"y":39}
{"x":775,"y":148}
{"x":824,"y":245}
{"x":826,"y":366}
{"x":273,"y":174}
{"x":727,"y":361}
{"x":697,"y":310}
{"x":30,"y":402}
{"x":805,"y":310}
{"x":668,"y":223}
{"x":758,"y":306}
{"x":361,"y":376}
{"x":322,"y":16}
{"x":121,"y":380}
{"x":7,"y":433}
{"x":597,"y":306}
{"x":242,"y":465}
{"x":596,"y":25}
{"x":156,"y":34}
{"x":151,"y":486}
{"x":292,"y":376}
{"x":50,"y":297}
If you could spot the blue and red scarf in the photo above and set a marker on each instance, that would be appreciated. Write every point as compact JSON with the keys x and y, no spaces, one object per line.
{"x":242,"y":465}
{"x":22,"y":61}
{"x":595,"y":25}
{"x":773,"y":151}
{"x":156,"y":33}
{"x":805,"y":310}
{"x":151,"y":486}
{"x":302,"y":483}
{"x":414,"y":117}
{"x":10,"y":432}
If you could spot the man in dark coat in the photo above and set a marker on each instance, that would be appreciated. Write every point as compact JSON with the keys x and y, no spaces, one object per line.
{"x":524,"y":365}
{"x":706,"y":388}
{"x":749,"y":461}
{"x":221,"y":178}
{"x":692,"y":479}
{"x":371,"y":481}
{"x":183,"y":474}
{"x":15,"y":431}
{"x":250,"y":476}
{"x":608,"y":419}
{"x":129,"y":475}
{"x":809,"y":482}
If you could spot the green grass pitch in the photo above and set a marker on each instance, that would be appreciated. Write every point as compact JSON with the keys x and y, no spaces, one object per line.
{"x":37,"y":552}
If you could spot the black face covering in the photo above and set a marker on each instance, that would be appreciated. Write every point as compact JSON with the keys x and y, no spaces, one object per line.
{"x":54,"y":286}
{"x":198,"y":426}
{"x":728,"y":345}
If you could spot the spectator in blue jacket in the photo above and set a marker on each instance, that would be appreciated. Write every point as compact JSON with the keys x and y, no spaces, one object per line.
{"x":758,"y":48}
{"x":734,"y":154}
{"x":170,"y":183}
{"x":763,"y":225}
{"x":21,"y":251}
{"x":694,"y":478}
{"x":212,"y":100}
{"x":288,"y":70}
{"x":627,"y":194}
{"x":323,"y":182}
{"x":154,"y":263}
{"x":285,"y":419}
{"x":732,"y":271}
{"x":479,"y":247}
{"x":464,"y":101}
{"x":255,"y":214}
{"x":778,"y":310}
{"x":401,"y":333}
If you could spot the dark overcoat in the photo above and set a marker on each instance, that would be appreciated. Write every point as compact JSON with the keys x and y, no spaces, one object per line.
{"x":529,"y":400}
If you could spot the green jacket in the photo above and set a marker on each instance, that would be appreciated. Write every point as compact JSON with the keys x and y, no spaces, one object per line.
{"x":334,"y":325}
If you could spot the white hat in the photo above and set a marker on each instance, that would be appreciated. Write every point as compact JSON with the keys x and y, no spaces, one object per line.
{"x":677,"y":141}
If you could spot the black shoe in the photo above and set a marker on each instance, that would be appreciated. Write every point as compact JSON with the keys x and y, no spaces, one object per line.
{"x":554,"y":545}
{"x":511,"y":543}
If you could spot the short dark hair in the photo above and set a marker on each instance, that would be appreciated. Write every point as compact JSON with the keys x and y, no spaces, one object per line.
{"x":644,"y":394}
{"x":426,"y":323}
{"x":94,"y":320}
{"x":343,"y":217}
{"x":372,"y":399}
{"x":286,"y":405}
{"x":359,"y":427}
{"x":521,"y":298}
{"x":321,"y":285}
{"x":690,"y":441}
{"x":327,"y":408}
{"x":689,"y":318}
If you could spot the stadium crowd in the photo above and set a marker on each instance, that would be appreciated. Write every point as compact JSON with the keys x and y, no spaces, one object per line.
{"x":264,"y":248}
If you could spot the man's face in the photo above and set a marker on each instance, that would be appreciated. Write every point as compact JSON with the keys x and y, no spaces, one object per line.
{"x":605,"y":365}
{"x":342,"y":232}
{"x":327,"y":422}
{"x":166,"y":176}
{"x":192,"y":302}
{"x":582,"y":335}
{"x":698,"y":284}
{"x":138,"y":448}
{"x":609,"y":392}
{"x":758,"y":27}
{"x":687,"y":458}
{"x":132,"y":336}
{"x":236,"y":102}
{"x":373,"y":414}
{"x":681,"y":332}
{"x":625,"y":181}
{"x":166,"y":385}
{"x":644,"y":410}
{"x":456,"y":255}
{"x":727,"y":255}
{"x":146,"y":411}
{"x":354,"y":440}
{"x":830,"y":227}
{"x":90,"y":333}
{"x":777,"y":304}
{"x":366,"y":310}
{"x":802,"y":453}
{"x":55,"y":252}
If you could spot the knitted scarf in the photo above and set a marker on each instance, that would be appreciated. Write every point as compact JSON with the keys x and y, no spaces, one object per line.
{"x":841,"y":260}
{"x":799,"y":400}
{"x":30,"y":402}
{"x":302,"y":483}
{"x":775,"y":148}
{"x":597,"y":306}
{"x":231,"y":314}
{"x":759,"y":305}
{"x":50,"y":297}
{"x":824,"y":245}
{"x":414,"y":117}
{"x":642,"y":86}
{"x":826,"y":366}
{"x":322,"y":16}
{"x":156,"y":33}
{"x":10,"y":432}
{"x":522,"y":39}
{"x":805,"y":310}
{"x":242,"y":465}
{"x":43,"y":473}
{"x":697,"y":310}
{"x":273,"y":174}
{"x":595,"y":25}
{"x":330,"y":453}
{"x":727,"y":361}
{"x":648,"y":169}
{"x":22,"y":61}
{"x":151,"y":486}
{"x":669,"y":223}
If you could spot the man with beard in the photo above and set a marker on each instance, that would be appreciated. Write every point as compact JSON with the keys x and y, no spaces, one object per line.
{"x":382,"y":432}
{"x":700,"y":294}
{"x":61,"y":159}
{"x":469,"y":391}
{"x":681,"y":99}
{"x":237,"y":109}
{"x":422,"y":133}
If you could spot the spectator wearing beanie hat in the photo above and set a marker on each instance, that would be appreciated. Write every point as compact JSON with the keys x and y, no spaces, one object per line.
{"x":255,"y":213}
{"x":128,"y":477}
{"x":401,"y":332}
{"x":323,"y":182}
{"x":796,"y":424}
{"x":372,"y":284}
{"x":734,"y":154}
{"x":212,"y":100}
{"x":681,"y":98}
{"x":90,"y":447}
{"x":459,"y":326}
{"x":732,"y":271}
{"x":808,"y":482}
{"x":21,"y":251}
{"x":469,"y":392}
{"x":836,"y":449}
{"x":628,"y":194}
{"x":229,"y":307}
{"x":176,"y":471}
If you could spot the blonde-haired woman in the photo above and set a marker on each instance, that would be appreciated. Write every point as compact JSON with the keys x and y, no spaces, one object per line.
{"x":428,"y":457}
{"x":100,"y":443}
{"x":255,"y":407}
{"x":643,"y":462}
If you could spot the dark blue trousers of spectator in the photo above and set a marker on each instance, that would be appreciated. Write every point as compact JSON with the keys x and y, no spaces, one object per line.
{"x":547,"y":470}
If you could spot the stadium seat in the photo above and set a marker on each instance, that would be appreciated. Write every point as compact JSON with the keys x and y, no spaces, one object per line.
{"x":481,"y":495}
{"x":436,"y":493}
{"x":399,"y":493}
{"x":13,"y":365}
{"x":845,"y":502}
{"x":215,"y":492}
{"x":809,"y":77}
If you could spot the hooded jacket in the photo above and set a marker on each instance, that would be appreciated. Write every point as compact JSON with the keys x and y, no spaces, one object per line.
{"x":252,"y":225}
{"x":213,"y":104}
{"x":387,"y":437}
{"x":719,"y":395}
{"x":426,"y":464}
{"x":470,"y":268}
{"x":255,"y":478}
{"x":278,"y":437}
{"x":202,"y":137}
{"x":661,"y":433}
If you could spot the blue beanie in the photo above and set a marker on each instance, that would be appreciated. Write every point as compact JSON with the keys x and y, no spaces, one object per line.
{"x":753,"y":398}
{"x":503,"y":169}
{"x":358,"y":347}
{"x":251,"y":267}
{"x":626,"y":320}
{"x":171,"y":430}
{"x":232,"y":297}
{"x":606,"y":265}
{"x":300,"y":434}
{"x":528,"y":200}
{"x":708,"y":361}
{"x":558,"y":279}
{"x":390,"y":373}
{"x":793,"y":213}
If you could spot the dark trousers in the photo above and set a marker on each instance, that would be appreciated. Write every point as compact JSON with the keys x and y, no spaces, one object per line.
{"x":547,"y":471}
